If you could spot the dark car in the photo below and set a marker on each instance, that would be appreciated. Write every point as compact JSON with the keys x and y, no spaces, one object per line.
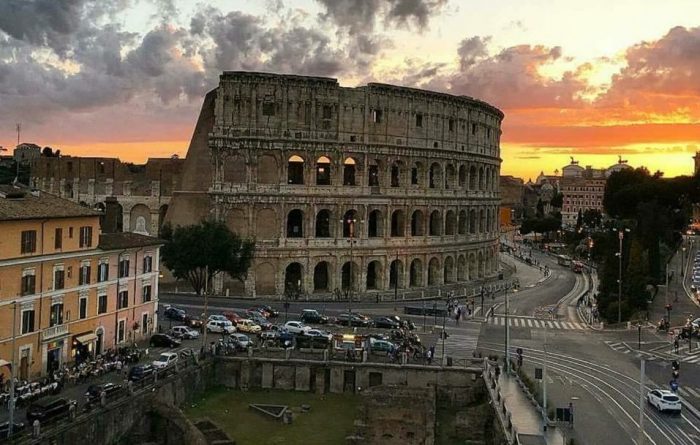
{"x":348,"y":319}
{"x":259,"y":320}
{"x":140,"y":372}
{"x":386,"y":322}
{"x":5,"y":429}
{"x":94,"y":391}
{"x":404,"y":323}
{"x":194,"y":322}
{"x":174,"y":313}
{"x":164,"y":340}
{"x":313,"y":316}
{"x":48,"y":409}
{"x":271,"y":311}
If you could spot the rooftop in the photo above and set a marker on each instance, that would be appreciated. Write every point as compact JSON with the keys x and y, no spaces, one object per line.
{"x":127,"y":240}
{"x":22,"y":203}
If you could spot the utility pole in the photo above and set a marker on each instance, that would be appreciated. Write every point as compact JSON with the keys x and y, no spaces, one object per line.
{"x":544,"y":380}
{"x":206,"y":305}
{"x":621,"y":236}
{"x":19,"y":132}
{"x":506,"y":367}
{"x":12,"y":369}
{"x":641,"y":439}
{"x":444,"y":337}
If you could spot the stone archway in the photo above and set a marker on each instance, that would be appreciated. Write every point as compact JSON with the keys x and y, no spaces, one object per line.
{"x":449,"y":270}
{"x":265,"y":279}
{"x":434,"y":274}
{"x":322,"y":277}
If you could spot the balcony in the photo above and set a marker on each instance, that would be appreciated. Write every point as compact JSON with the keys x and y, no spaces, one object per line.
{"x":60,"y":330}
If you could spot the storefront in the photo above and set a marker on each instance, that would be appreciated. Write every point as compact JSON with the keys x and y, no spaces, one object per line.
{"x":54,"y":355}
{"x":83,"y":347}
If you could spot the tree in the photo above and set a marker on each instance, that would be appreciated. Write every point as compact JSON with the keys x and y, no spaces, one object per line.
{"x":198,"y":253}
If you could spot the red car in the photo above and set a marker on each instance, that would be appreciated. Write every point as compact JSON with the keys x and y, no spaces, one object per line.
{"x":233,"y":317}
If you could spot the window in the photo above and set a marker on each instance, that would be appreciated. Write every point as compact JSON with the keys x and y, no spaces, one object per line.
{"x":56,"y":316}
{"x":414,"y":176}
{"x":377,"y":116}
{"x":27,"y":321}
{"x":28,"y":241}
{"x":28,"y":286}
{"x":58,"y":238}
{"x":102,"y":272}
{"x":451,"y":125}
{"x":268,"y":109}
{"x":124,"y":268}
{"x":59,"y":278}
{"x":419,"y":120}
{"x":147,"y":293}
{"x":83,"y":308}
{"x":373,"y":176}
{"x":147,"y":264}
{"x":84,"y":275}
{"x":86,"y":236}
{"x":121,"y":331}
{"x":102,"y":304}
{"x":473,"y":128}
{"x":70,"y":232}
{"x":123,"y":299}
{"x":327,"y":111}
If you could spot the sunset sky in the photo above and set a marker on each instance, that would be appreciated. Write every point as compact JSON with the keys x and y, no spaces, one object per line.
{"x":593,"y":79}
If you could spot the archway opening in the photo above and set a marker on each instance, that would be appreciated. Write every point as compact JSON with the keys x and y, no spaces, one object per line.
{"x":462,"y":224}
{"x":349,"y":274}
{"x":350,"y":224}
{"x":323,"y":171}
{"x":323,"y":224}
{"x":374,"y":275}
{"x":472,"y":178}
{"x":450,"y":223}
{"x":295,"y":224}
{"x":397,"y":223}
{"x":321,"y":277}
{"x":433,"y":272}
{"x":396,"y":274}
{"x":349,"y":171}
{"x":293,"y":278}
{"x":449,"y":275}
{"x":461,"y":268}
{"x":375,"y":226}
{"x":417,"y":220}
{"x":295,"y":170}
{"x":449,"y":176}
{"x":435,"y":223}
{"x":416,"y":273}
{"x":395,"y":175}
{"x":434,"y":175}
{"x":462,"y":176}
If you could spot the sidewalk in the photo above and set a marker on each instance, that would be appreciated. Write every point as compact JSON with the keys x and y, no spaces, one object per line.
{"x":526,"y":419}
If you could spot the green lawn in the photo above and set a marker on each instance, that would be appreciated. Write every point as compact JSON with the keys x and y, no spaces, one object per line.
{"x":329,"y":421}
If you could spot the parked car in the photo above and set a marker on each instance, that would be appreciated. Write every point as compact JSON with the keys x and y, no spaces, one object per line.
{"x":260,"y":321}
{"x":259,"y":310}
{"x":221,"y":326}
{"x":174,"y":313}
{"x":278,"y":334}
{"x":318,"y":333}
{"x":386,"y":322}
{"x":17,"y":427}
{"x":49,"y":409}
{"x":233,"y":317}
{"x":217,"y":317}
{"x":94,"y":391}
{"x":313,"y":316}
{"x":166,"y":360}
{"x":273,"y":313}
{"x":296,"y":327}
{"x":664,"y":400}
{"x":243,"y":340}
{"x":194,"y":322}
{"x":381,"y":347}
{"x":248,"y":326}
{"x":140,"y":372}
{"x":348,"y":319}
{"x":164,"y":340}
{"x":184,"y":332}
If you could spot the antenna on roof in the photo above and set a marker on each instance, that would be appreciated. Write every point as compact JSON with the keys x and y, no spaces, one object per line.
{"x":19,"y":132}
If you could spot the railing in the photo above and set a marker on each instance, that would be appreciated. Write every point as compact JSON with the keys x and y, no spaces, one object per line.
{"x":54,"y":331}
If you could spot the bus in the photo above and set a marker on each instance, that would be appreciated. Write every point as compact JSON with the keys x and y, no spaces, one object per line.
{"x":563,"y":260}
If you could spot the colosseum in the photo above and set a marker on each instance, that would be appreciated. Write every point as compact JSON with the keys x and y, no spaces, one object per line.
{"x":351,"y":190}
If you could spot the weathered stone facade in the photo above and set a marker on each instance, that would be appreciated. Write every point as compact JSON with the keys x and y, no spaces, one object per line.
{"x":353,"y":189}
{"x":142,"y":192}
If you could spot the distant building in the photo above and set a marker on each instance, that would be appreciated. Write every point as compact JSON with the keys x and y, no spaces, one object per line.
{"x":137,"y":195}
{"x":26,"y":152}
{"x":72,"y":291}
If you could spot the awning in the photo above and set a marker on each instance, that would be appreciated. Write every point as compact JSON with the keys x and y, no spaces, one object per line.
{"x":86,"y":338}
{"x":3,"y":363}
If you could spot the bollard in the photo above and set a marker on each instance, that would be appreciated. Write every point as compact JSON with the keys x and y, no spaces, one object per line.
{"x":287,"y":353}
{"x":364,"y":356}
{"x":325,"y":355}
{"x":250,"y":351}
{"x":36,"y":429}
{"x":629,"y":325}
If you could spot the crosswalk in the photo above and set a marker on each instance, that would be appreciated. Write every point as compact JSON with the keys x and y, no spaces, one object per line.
{"x":536,"y":323}
{"x":665,"y":353}
{"x":462,"y":341}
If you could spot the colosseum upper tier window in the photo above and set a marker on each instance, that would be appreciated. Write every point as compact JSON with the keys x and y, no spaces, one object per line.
{"x":419,"y":120}
{"x":295,"y":170}
{"x":349,"y":172}
{"x":323,"y":171}
{"x":268,"y":109}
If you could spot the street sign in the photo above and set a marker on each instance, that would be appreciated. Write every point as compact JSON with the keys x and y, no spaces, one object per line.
{"x":538,"y":373}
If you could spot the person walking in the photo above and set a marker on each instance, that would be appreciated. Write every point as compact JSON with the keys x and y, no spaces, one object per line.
{"x":675,"y":344}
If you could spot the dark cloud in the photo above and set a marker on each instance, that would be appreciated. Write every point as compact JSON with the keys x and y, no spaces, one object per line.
{"x":362,"y":15}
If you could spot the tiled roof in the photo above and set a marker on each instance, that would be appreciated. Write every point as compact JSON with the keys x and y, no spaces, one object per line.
{"x":18,"y":203}
{"x":126,"y":240}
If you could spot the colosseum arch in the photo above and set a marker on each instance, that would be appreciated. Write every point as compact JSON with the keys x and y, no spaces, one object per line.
{"x":266,"y":225}
{"x":462,"y":272}
{"x":268,"y":170}
{"x":450,"y":223}
{"x":293,"y":277}
{"x":472,"y":178}
{"x":417,"y":174}
{"x":374,"y":169}
{"x":140,"y":219}
{"x":322,"y":277}
{"x":449,"y":275}
{"x":351,"y":224}
{"x":434,"y":272}
{"x":323,"y":223}
{"x":462,"y":222}
{"x":487,"y":178}
{"x":481,"y":179}
{"x":495,"y":179}
{"x":462,"y":177}
{"x":397,"y":223}
{"x":472,"y":220}
{"x":235,"y":169}
{"x":295,"y":224}
{"x":481,"y":264}
{"x":323,"y":171}
{"x":396,"y":274}
{"x":473,"y":266}
{"x":395,"y":174}
{"x":415,"y":278}
{"x":349,"y":276}
{"x":435,"y":175}
{"x":349,"y":171}
{"x":265,"y":279}
{"x":374,"y":276}
{"x":482,"y":220}
{"x":375,"y":224}
{"x":237,"y":221}
{"x":449,"y":177}
{"x":435,"y":223}
{"x":295,"y":170}
{"x":417,"y":223}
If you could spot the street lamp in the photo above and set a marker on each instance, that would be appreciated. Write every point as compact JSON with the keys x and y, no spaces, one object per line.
{"x":351,"y":220}
{"x":507,"y":330}
{"x":620,"y":236}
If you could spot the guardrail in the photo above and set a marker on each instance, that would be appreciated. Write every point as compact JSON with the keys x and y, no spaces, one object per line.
{"x":502,"y":413}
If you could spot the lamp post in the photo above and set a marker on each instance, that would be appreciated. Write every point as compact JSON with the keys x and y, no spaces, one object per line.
{"x":351,"y":220}
{"x":396,"y":279}
{"x":620,"y":236}
{"x":506,"y":368}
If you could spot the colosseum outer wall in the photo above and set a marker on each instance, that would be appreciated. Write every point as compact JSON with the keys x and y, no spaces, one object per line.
{"x":356,"y":189}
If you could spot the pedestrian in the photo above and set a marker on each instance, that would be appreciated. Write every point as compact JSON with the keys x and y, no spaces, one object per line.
{"x":459,"y":314}
{"x":675,"y":344}
{"x":571,"y":414}
{"x":429,"y":355}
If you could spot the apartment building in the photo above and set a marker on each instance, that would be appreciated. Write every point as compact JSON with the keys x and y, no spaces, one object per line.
{"x":67,"y":291}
